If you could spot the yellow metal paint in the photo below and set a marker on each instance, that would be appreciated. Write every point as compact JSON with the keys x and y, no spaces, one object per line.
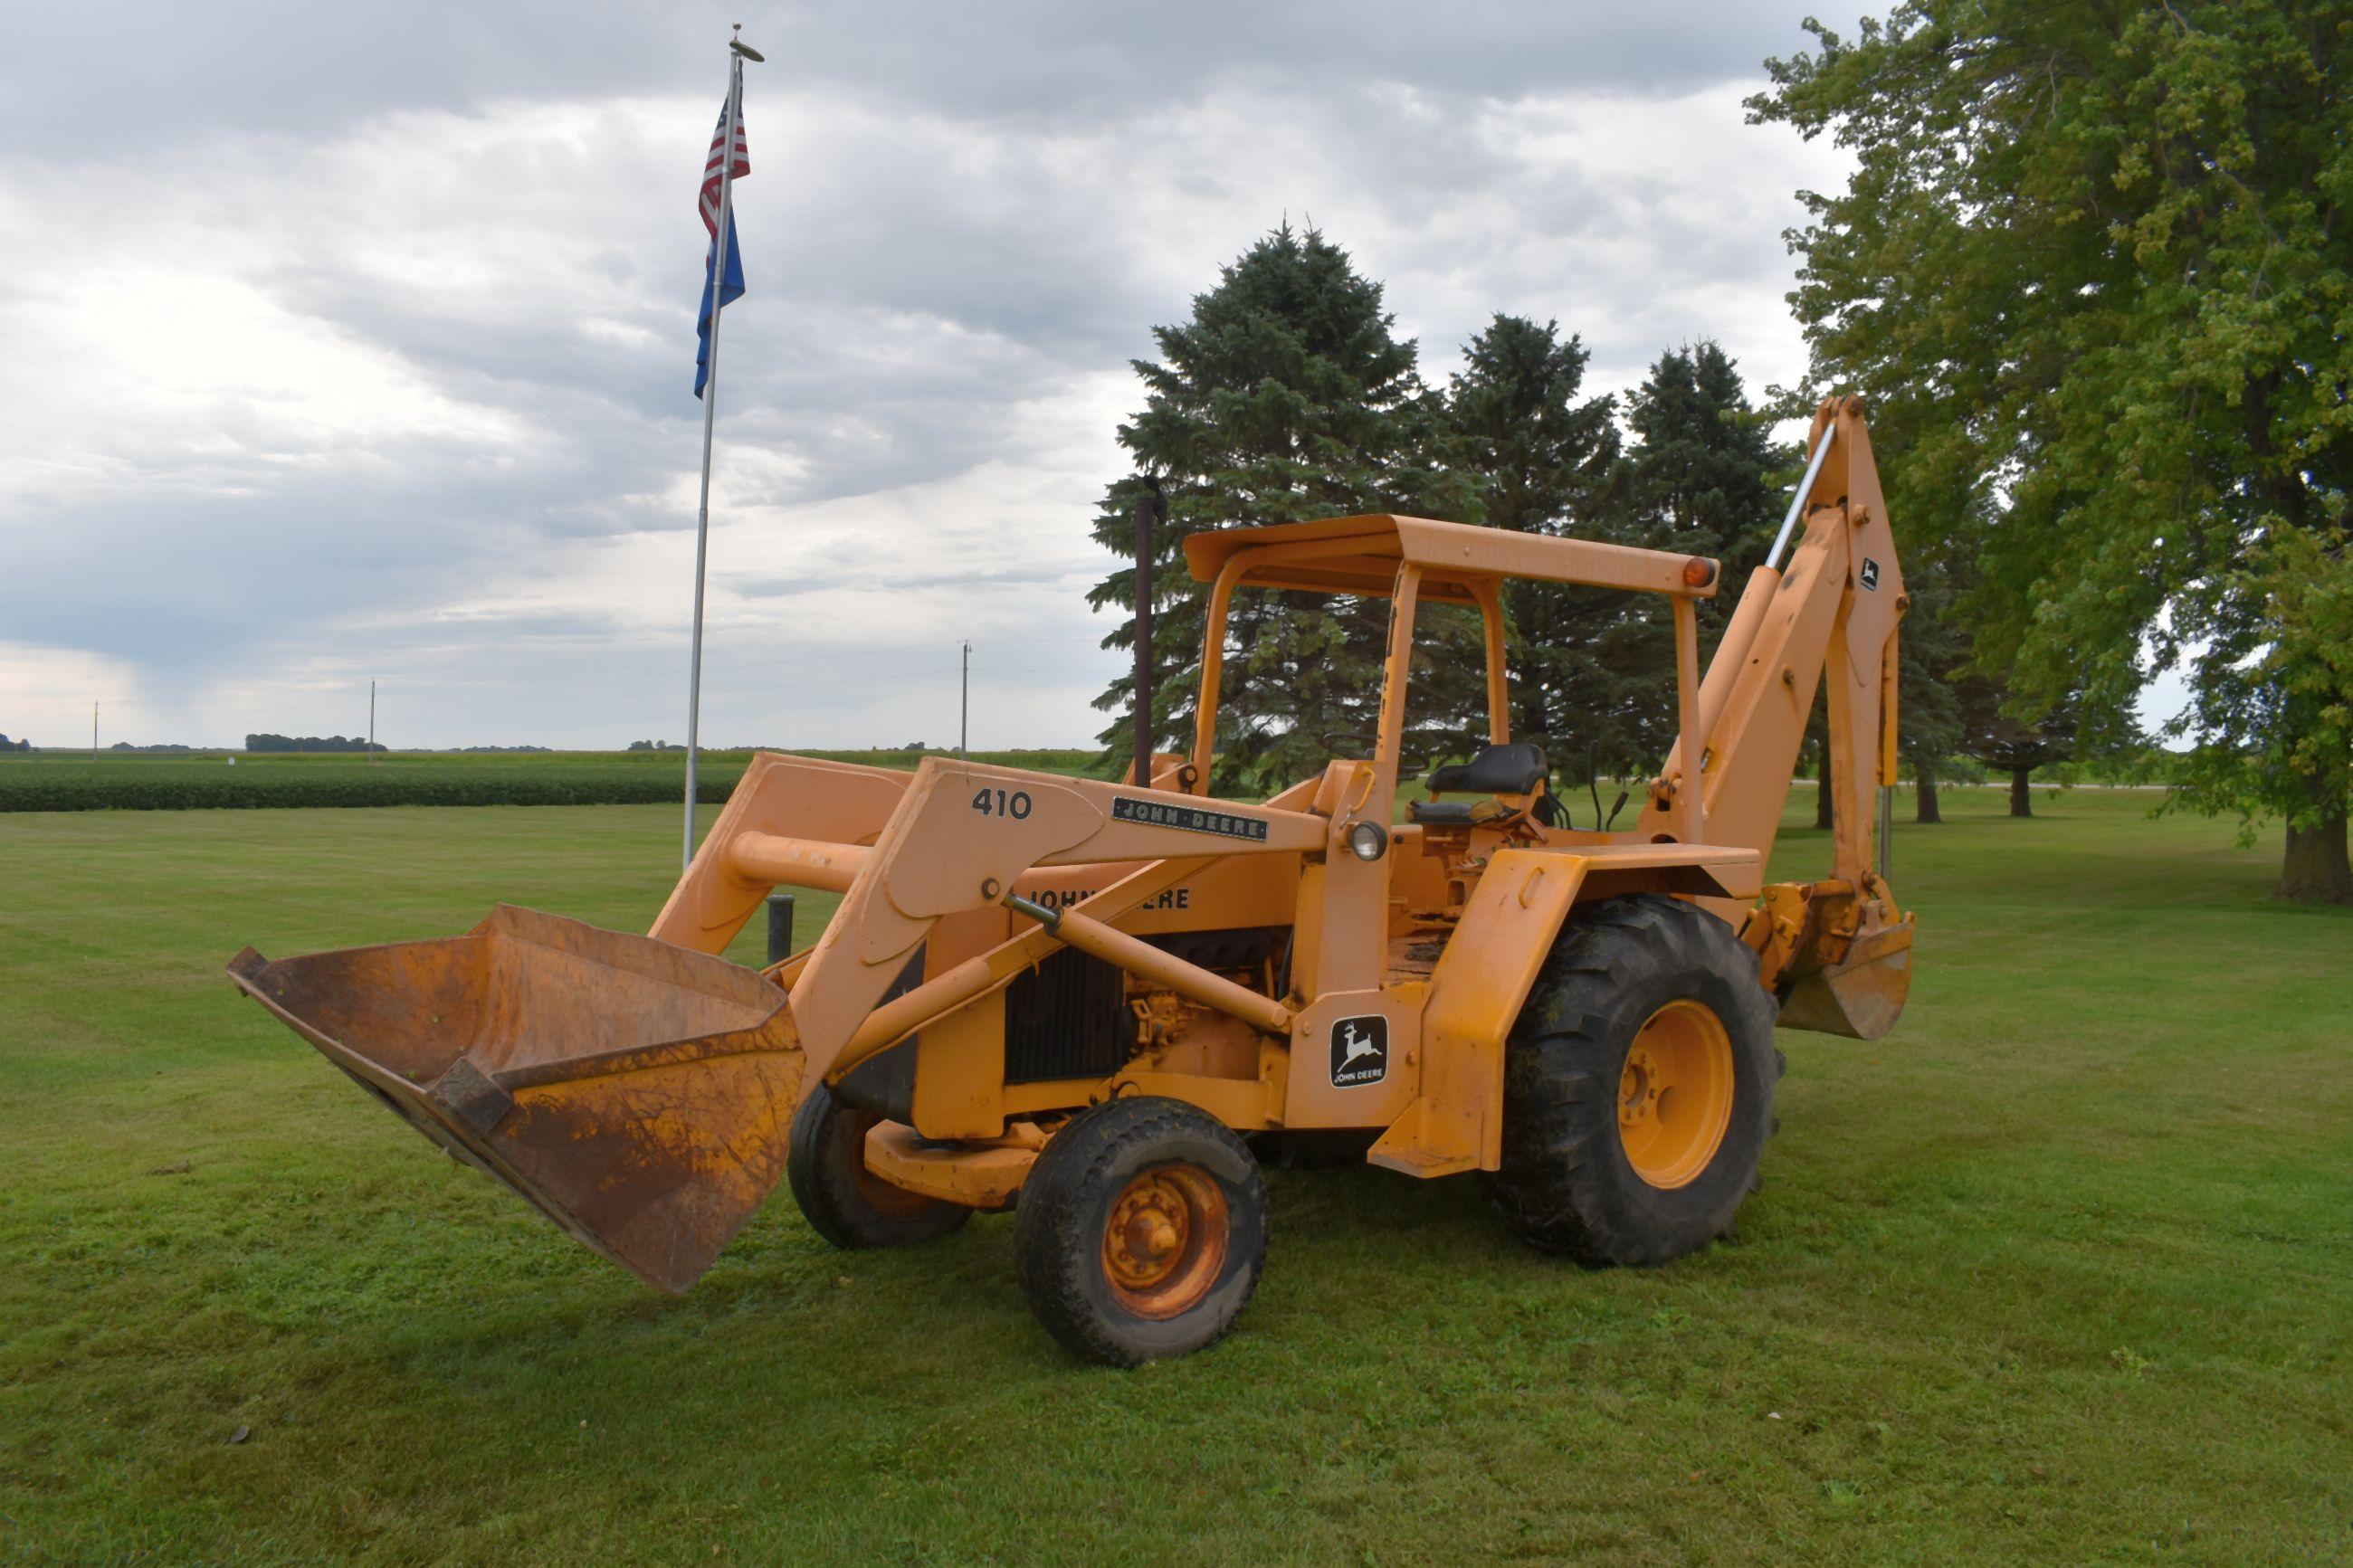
{"x":1312,"y":1099}
{"x":978,"y":1175}
{"x":1474,"y":995}
{"x":1675,"y":1094}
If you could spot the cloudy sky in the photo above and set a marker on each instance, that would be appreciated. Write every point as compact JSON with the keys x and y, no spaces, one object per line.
{"x":353,"y":343}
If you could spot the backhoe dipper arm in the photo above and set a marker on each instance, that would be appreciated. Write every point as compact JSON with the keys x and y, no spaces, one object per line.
{"x":1832,"y":613}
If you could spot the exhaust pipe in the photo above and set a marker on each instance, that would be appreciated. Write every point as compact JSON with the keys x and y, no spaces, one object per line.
{"x":1150,"y":509}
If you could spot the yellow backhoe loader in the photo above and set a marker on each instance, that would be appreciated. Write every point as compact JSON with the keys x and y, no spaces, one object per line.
{"x":1087,"y":1001}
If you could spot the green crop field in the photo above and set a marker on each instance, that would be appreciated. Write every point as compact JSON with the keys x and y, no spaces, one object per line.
{"x":2063,"y":1272}
{"x":117,"y":781}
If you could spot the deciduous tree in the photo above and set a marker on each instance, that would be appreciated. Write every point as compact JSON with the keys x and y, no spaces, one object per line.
{"x":2092,"y":266}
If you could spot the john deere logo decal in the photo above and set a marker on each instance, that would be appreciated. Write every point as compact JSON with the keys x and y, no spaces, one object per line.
{"x":1870,"y":573}
{"x":1360,"y":1051}
{"x":1191,"y":819}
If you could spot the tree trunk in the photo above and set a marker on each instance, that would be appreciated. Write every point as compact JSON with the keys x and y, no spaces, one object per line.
{"x":1823,"y":789}
{"x":2021,"y":794}
{"x":2315,"y":870}
{"x":1924,"y":788}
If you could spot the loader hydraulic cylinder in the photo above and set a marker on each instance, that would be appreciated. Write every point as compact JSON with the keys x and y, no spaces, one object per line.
{"x":1139,"y":957}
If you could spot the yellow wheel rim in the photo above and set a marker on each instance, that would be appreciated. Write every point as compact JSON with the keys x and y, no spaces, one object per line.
{"x":1164,"y":1242}
{"x":1674,"y":1097}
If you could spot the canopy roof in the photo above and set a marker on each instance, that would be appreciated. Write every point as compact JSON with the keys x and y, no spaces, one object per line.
{"x":1360,"y":555}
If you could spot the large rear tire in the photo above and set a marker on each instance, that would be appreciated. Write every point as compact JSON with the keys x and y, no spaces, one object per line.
{"x":1638,"y":1087}
{"x":843,"y":1200}
{"x":1141,"y":1231}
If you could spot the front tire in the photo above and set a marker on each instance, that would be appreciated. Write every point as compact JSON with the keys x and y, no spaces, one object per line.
{"x":1141,"y":1231}
{"x":843,"y":1200}
{"x":1638,"y":1087}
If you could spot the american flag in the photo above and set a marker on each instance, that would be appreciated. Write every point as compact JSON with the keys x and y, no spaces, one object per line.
{"x":730,"y":273}
{"x":710,"y":203}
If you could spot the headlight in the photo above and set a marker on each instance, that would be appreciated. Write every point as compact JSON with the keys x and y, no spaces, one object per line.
{"x":1367,"y":840}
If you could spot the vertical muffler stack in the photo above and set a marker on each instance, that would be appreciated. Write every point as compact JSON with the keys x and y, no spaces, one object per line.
{"x":636,"y":1092}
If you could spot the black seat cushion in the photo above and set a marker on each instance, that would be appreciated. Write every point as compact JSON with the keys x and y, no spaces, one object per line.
{"x":1513,"y":769}
{"x":1455,"y":812}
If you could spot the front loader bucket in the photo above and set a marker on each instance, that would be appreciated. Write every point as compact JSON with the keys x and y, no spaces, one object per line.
{"x":637,"y":1093}
{"x":1861,"y":995}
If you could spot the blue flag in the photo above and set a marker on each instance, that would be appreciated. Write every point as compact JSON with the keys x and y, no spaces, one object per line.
{"x":730,"y":291}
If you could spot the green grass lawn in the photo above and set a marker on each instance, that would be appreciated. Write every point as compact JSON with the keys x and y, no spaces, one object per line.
{"x":2061,"y":1272}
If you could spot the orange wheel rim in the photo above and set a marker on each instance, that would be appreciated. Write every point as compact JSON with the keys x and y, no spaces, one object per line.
{"x":1163,"y":1243}
{"x":1674,"y":1095}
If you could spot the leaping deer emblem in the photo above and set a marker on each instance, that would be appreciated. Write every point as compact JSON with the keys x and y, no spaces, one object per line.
{"x":1354,"y":1047}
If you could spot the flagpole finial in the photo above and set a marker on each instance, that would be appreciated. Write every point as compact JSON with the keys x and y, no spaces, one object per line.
{"x":745,"y":49}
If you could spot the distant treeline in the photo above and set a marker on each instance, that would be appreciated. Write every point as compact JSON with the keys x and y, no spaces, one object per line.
{"x":8,"y":745}
{"x":309,"y":743}
{"x":193,"y":786}
{"x":121,"y":782}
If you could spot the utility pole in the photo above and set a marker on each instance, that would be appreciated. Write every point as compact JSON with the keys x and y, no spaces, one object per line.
{"x":964,"y":709}
{"x":93,"y":732}
{"x":371,"y":723}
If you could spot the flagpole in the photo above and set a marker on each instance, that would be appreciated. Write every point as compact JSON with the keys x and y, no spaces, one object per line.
{"x":719,"y":255}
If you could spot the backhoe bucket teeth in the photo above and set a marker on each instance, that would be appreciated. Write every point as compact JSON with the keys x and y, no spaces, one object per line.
{"x":1861,"y":995}
{"x":636,"y":1092}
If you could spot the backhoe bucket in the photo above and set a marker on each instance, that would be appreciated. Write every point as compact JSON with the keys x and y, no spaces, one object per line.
{"x":638,"y":1093}
{"x":1861,"y":995}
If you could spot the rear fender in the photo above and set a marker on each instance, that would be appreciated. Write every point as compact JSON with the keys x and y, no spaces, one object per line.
{"x":1482,"y":980}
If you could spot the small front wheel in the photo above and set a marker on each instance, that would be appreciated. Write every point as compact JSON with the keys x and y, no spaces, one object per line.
{"x":843,"y":1200}
{"x":1141,"y":1231}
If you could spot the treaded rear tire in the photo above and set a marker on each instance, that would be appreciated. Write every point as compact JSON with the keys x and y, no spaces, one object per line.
{"x":1567,"y":1183}
{"x":845,"y":1202}
{"x":1066,"y":1207}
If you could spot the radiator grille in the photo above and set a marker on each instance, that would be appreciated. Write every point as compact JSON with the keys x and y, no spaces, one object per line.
{"x":1067,"y":1019}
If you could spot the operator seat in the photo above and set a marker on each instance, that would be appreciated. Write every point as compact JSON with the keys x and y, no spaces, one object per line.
{"x":1516,"y":768}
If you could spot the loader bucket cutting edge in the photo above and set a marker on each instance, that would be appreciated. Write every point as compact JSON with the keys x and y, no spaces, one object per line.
{"x":638,"y":1094}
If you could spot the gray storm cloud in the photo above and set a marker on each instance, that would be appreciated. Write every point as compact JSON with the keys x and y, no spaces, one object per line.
{"x":354,"y":342}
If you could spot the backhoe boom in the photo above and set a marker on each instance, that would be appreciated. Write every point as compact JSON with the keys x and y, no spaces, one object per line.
{"x":1829,"y":617}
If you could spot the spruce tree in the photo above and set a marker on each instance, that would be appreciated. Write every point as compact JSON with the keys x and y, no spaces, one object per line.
{"x":1704,"y":470}
{"x":1287,"y":396}
{"x":1541,"y":462}
{"x":1700,"y":480}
